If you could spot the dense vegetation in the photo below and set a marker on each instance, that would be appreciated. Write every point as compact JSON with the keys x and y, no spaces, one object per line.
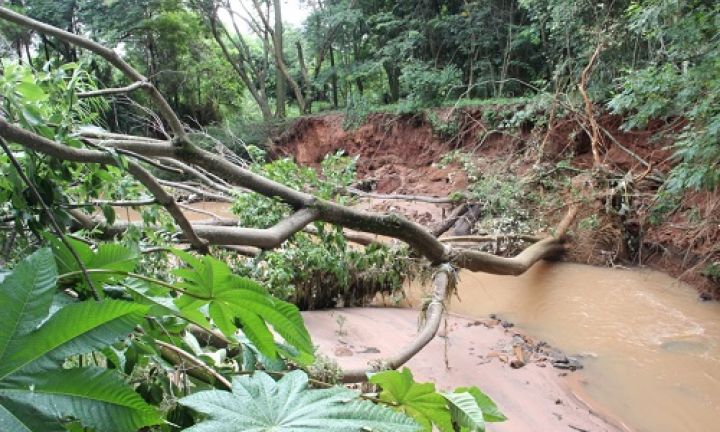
{"x":136,"y":332}
{"x":227,"y":63}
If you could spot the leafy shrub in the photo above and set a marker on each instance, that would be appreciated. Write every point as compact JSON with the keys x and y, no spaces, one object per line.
{"x":684,"y":83}
{"x":36,"y":336}
{"x":426,"y":85}
{"x":320,"y":270}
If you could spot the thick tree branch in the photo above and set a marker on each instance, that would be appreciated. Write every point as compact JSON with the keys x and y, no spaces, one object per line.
{"x":388,"y":225}
{"x":433,"y":316}
{"x":444,"y":278}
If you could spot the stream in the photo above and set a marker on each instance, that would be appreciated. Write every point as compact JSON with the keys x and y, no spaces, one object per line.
{"x":650,"y":348}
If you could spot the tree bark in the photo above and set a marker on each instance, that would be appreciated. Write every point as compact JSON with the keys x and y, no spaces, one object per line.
{"x":279,"y":75}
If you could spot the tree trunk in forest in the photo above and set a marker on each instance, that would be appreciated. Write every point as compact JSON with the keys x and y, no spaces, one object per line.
{"x":356,"y":54}
{"x":306,"y":84}
{"x":393,"y":76}
{"x":256,"y":87}
{"x":280,"y":87}
{"x":333,"y":79}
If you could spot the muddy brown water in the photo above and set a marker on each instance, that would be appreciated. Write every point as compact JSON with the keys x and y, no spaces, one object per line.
{"x":650,"y":349}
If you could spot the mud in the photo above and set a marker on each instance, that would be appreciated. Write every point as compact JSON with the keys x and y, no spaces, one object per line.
{"x":400,"y":154}
{"x":535,"y":397}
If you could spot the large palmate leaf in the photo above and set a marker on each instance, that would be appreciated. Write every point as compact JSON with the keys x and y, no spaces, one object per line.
{"x":467,"y":409}
{"x":36,"y":392}
{"x":233,"y":301}
{"x":107,"y":256}
{"x":260,"y":404}
{"x":418,"y":400}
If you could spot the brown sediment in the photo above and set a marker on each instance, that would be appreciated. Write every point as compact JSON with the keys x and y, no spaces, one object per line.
{"x":468,"y":352}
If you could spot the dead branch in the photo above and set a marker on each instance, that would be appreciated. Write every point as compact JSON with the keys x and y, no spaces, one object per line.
{"x":206,"y":195}
{"x":113,"y":91}
{"x":443,"y":278}
{"x":98,"y":203}
{"x":421,"y":198}
{"x":441,"y":281}
{"x":582,"y":86}
{"x":445,"y":225}
{"x":490,"y":238}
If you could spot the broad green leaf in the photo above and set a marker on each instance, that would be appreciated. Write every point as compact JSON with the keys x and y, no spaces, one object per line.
{"x":490,"y":411}
{"x":99,"y":397}
{"x":26,"y":295}
{"x":465,"y":411}
{"x":108,"y":256}
{"x":36,"y":393}
{"x":236,"y":302}
{"x":30,"y":91}
{"x":260,"y":404}
{"x":74,"y":329}
{"x":418,"y":400}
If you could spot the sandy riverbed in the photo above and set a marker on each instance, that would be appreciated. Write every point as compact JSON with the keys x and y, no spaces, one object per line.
{"x":536,"y":397}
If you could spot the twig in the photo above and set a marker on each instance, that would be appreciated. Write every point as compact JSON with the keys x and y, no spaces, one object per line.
{"x":169,"y":351}
{"x":421,"y":198}
{"x":113,"y":91}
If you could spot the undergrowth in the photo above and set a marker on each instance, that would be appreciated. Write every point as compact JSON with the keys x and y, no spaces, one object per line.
{"x":322,"y":269}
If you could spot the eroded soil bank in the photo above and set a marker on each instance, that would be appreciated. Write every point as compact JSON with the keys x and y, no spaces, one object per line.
{"x":549,"y":170}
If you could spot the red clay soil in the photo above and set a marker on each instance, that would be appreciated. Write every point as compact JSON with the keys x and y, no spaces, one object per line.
{"x":399,"y":154}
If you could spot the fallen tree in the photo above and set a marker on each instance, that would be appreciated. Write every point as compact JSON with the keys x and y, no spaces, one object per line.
{"x":219,"y":175}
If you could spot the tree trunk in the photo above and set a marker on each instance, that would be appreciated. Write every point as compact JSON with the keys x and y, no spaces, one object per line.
{"x":334,"y":80}
{"x":280,"y":87}
{"x":306,"y":84}
{"x":393,"y":75}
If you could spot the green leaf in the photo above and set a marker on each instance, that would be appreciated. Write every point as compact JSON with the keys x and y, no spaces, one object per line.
{"x":65,"y":334}
{"x":26,"y":295}
{"x":236,"y":302}
{"x":108,"y":256}
{"x":418,"y":400}
{"x":260,"y":404}
{"x":465,"y":411}
{"x":36,"y":393}
{"x":490,"y":411}
{"x":97,"y":396}
{"x":30,"y":91}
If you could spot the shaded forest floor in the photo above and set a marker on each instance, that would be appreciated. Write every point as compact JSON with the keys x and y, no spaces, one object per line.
{"x":523,"y":175}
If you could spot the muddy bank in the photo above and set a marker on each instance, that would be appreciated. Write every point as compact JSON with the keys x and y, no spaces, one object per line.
{"x":616,"y":224}
{"x":535,"y":396}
